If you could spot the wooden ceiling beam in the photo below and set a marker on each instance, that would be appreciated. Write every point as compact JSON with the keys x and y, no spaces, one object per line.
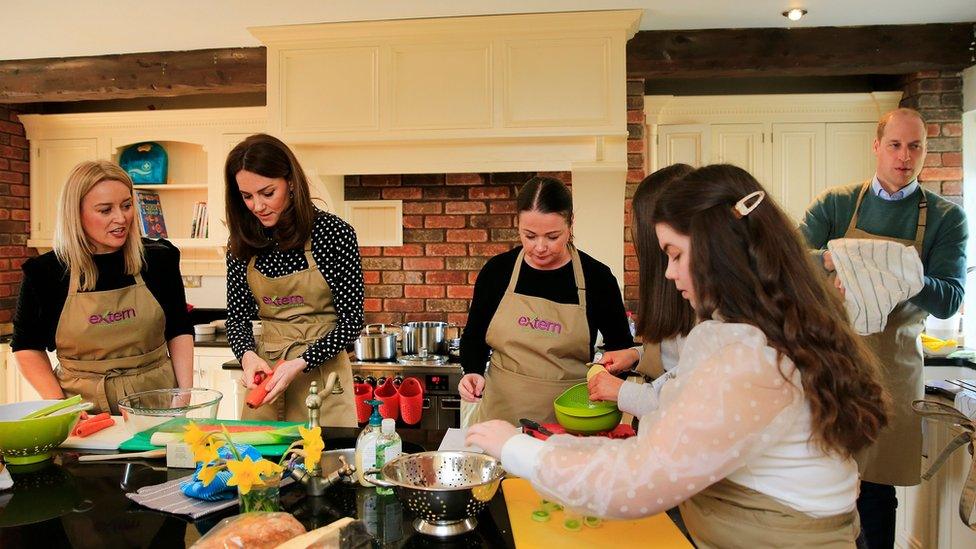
{"x":153,"y":74}
{"x":812,"y":51}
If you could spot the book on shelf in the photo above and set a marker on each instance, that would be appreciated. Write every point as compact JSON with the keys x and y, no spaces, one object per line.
{"x":151,"y":219}
{"x":199,"y":227}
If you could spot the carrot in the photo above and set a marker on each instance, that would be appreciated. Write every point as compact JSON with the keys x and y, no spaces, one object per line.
{"x":89,"y":419}
{"x":256,"y":397}
{"x":92,"y":427}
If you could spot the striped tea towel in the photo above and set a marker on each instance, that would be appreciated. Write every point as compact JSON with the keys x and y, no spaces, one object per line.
{"x":877,"y":275}
{"x":168,"y":497}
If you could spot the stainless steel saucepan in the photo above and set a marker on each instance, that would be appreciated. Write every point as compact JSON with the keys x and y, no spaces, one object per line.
{"x":378,"y":344}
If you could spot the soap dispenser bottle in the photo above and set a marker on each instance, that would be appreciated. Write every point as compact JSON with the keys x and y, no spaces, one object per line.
{"x":388,"y":448}
{"x":366,"y":443}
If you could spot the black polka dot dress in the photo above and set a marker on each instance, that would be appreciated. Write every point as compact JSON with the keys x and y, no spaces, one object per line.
{"x":336,"y":251}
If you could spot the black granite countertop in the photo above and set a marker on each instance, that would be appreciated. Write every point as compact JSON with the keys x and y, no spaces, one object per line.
{"x":65,"y":503}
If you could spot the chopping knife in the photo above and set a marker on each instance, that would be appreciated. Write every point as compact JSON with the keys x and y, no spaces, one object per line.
{"x":529,"y":424}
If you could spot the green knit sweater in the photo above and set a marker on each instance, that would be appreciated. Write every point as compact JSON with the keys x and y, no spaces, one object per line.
{"x":943,"y":248}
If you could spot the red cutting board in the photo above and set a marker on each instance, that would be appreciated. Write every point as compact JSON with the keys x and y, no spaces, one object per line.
{"x":521,"y":499}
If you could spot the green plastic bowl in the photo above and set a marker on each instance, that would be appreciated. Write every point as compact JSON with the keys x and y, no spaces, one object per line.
{"x":580,"y":415}
{"x":26,"y":441}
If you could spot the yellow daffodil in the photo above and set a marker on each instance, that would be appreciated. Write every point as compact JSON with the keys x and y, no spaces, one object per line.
{"x":208,"y":474}
{"x":313,"y":445}
{"x":194,"y":435}
{"x":269,"y":468}
{"x":244,"y":474}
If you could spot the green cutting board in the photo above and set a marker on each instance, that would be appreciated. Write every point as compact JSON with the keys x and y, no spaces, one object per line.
{"x":140,"y":442}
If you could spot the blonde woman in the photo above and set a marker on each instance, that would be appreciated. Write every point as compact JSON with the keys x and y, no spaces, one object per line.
{"x":111,"y":304}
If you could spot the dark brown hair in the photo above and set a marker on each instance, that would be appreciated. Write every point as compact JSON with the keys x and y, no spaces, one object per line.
{"x":661,"y":311}
{"x":269,"y":157}
{"x":755,"y":270}
{"x":546,"y":195}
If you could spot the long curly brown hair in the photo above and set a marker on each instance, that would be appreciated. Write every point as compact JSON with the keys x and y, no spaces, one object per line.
{"x":754,"y":269}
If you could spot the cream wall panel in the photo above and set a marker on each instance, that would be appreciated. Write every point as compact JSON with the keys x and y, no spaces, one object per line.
{"x":849,"y":151}
{"x":599,"y":194}
{"x":798,"y":166}
{"x":377,"y":222}
{"x":558,"y":82}
{"x":549,"y":154}
{"x":441,"y":86}
{"x":330,"y":89}
{"x":683,"y":143}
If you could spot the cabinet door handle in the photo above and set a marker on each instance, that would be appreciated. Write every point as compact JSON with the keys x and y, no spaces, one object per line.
{"x":451,"y":403}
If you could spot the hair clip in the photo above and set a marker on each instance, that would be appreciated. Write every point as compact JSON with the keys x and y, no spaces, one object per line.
{"x":742,"y":208}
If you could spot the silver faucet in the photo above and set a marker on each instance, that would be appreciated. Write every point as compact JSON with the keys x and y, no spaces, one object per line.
{"x":315,"y":483}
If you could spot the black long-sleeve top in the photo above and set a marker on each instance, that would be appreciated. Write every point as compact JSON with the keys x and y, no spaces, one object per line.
{"x":45,"y":289}
{"x":336,"y":251}
{"x":604,"y":306}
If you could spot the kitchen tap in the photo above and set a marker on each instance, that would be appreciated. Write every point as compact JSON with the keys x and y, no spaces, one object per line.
{"x":315,"y":483}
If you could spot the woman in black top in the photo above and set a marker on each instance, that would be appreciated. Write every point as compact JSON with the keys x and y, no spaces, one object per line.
{"x":297,"y":269}
{"x":536,"y":311}
{"x":109,"y":302}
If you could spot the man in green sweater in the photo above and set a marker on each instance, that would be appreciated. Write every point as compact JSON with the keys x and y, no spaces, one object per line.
{"x":893,"y":206}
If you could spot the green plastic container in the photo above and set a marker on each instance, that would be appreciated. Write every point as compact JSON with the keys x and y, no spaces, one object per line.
{"x":26,"y":441}
{"x":580,"y":415}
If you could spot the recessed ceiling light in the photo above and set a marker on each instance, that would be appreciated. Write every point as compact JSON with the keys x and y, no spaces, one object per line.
{"x":795,"y":14}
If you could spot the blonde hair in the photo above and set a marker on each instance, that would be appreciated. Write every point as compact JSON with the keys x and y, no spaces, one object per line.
{"x":71,"y":245}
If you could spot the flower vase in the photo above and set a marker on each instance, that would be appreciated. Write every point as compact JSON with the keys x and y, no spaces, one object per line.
{"x":262,"y":497}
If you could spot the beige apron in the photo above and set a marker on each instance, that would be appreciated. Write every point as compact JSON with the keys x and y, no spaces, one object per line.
{"x":111,"y":344}
{"x":727,"y":514}
{"x":539,"y":349}
{"x":895,"y":459}
{"x":296,"y":310}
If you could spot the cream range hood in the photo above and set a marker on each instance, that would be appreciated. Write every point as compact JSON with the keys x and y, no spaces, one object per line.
{"x":536,"y":92}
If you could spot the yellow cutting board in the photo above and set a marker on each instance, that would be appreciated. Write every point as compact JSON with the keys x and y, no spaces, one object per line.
{"x":521,"y":499}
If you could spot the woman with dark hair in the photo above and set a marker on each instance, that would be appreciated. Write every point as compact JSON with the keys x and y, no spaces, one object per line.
{"x":297,"y":270}
{"x":772,"y":397}
{"x":664,"y":318}
{"x":536,"y":311}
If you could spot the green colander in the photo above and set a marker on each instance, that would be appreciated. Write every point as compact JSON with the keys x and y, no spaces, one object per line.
{"x":578,"y":414}
{"x":26,"y":441}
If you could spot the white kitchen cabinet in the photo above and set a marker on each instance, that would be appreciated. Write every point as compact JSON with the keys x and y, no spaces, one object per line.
{"x":799,"y":163}
{"x":684,"y":144}
{"x":742,"y":145}
{"x":849,"y":148}
{"x":51,"y":162}
{"x":795,"y":145}
{"x":16,"y":386}
{"x":209,"y":361}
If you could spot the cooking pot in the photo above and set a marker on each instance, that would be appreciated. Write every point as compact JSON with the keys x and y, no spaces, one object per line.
{"x":425,"y":338}
{"x":380,"y":345}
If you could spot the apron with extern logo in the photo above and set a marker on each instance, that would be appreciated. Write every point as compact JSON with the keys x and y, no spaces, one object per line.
{"x":727,"y":514}
{"x":895,"y":458}
{"x":539,"y":349}
{"x":296,"y":310}
{"x":111,"y":344}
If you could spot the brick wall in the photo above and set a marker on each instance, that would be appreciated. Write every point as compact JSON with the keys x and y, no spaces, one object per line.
{"x":636,"y":147}
{"x":452,"y":224}
{"x":938,"y":96}
{"x":14,"y":211}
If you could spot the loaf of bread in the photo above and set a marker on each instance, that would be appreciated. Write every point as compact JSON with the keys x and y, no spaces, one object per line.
{"x":252,"y":531}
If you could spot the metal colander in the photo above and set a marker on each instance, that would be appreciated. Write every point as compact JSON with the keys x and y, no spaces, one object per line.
{"x":445,"y":490}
